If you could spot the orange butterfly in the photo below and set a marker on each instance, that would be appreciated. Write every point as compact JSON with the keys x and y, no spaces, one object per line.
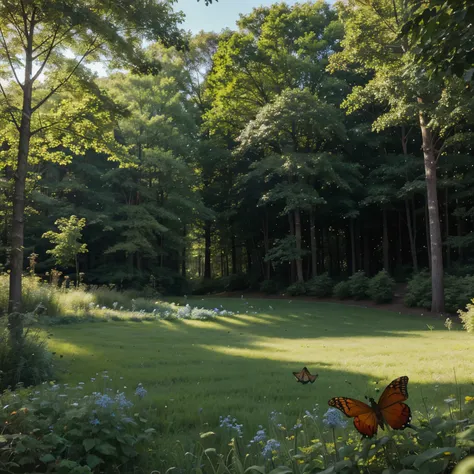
{"x":304,"y":376}
{"x":389,"y":409}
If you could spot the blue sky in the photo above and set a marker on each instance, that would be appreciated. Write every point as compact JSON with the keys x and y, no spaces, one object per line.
{"x":219,"y":15}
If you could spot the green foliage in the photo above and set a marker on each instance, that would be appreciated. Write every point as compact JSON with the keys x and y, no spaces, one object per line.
{"x":359,"y":285}
{"x":236,"y":282}
{"x":458,"y":291}
{"x":381,"y":287}
{"x":270,"y":287}
{"x":61,"y":430}
{"x":342,"y":290}
{"x":297,"y":289}
{"x":30,"y":364}
{"x":467,"y":317}
{"x":419,"y":291}
{"x":67,"y":245}
{"x":320,"y":286}
{"x":207,"y":286}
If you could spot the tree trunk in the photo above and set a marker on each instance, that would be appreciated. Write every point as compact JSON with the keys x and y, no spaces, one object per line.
{"x":367,"y":269}
{"x":437,"y":276}
{"x":460,"y":232}
{"x":248,"y":249}
{"x":234,"y":253}
{"x":18,"y":217}
{"x":183,"y":255}
{"x":314,"y":244}
{"x":207,"y":250}
{"x":291,"y":222}
{"x":411,"y":237}
{"x":266,"y":245}
{"x":353,"y":247}
{"x":446,"y":211}
{"x":385,"y":243}
{"x":428,"y":240}
{"x":299,"y":261}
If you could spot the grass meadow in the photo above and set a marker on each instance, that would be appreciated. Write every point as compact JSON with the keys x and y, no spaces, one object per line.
{"x":196,"y":371}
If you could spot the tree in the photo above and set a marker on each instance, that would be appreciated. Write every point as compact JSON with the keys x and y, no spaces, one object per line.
{"x":38,"y":38}
{"x":293,"y":133}
{"x":441,"y":35}
{"x":67,"y":242}
{"x":373,"y":42}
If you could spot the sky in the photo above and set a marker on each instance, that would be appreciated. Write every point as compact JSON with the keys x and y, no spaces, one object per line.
{"x":219,"y":15}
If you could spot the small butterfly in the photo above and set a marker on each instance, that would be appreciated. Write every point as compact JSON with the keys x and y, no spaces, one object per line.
{"x":388,"y":410}
{"x":304,"y":376}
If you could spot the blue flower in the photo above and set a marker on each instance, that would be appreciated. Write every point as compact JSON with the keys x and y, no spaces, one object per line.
{"x":260,"y":437}
{"x":104,"y":401}
{"x":270,"y":448}
{"x":274,"y":415}
{"x":298,"y":426}
{"x":122,"y":401}
{"x":333,"y":419}
{"x":94,"y":422}
{"x":231,"y":424}
{"x":140,"y":391}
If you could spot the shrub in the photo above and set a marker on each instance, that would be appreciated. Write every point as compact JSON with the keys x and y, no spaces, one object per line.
{"x":457,"y":291}
{"x":359,"y":285}
{"x":320,"y":286}
{"x":270,"y":287}
{"x":419,"y":291}
{"x":342,"y":290}
{"x":31,"y":366}
{"x":381,"y":287}
{"x":207,"y":286}
{"x":62,"y":430}
{"x":236,"y":282}
{"x":297,"y":289}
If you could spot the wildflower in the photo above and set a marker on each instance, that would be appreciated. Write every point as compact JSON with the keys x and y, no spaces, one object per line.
{"x":104,"y":401}
{"x":450,"y":401}
{"x":54,"y":388}
{"x":469,"y":399}
{"x":94,"y":421}
{"x":448,"y":324}
{"x":298,"y":426}
{"x":270,"y":448}
{"x":333,"y":419}
{"x":75,"y":404}
{"x":231,"y":424}
{"x":140,"y":391}
{"x":260,"y":437}
{"x":122,"y":401}
{"x":80,"y":383}
{"x":92,"y":379}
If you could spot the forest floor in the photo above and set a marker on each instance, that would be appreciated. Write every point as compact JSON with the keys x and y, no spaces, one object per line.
{"x":196,"y":371}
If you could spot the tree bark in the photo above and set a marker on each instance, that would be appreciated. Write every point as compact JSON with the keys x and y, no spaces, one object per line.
{"x":411,"y":236}
{"x":385,"y":243}
{"x":207,"y":250}
{"x":437,"y":271}
{"x":299,"y":260}
{"x":266,"y":245}
{"x":314,"y":244}
{"x":353,"y":247}
{"x":446,"y":211}
{"x":18,"y":217}
{"x":234,"y":253}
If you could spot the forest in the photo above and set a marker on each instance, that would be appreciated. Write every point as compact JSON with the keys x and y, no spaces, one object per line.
{"x":292,"y":146}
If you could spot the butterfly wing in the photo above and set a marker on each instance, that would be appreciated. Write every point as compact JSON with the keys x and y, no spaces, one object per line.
{"x":365,"y":418}
{"x":304,"y":376}
{"x":396,"y":413}
{"x":396,"y":391}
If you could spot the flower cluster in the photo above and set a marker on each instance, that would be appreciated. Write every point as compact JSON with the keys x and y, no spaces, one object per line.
{"x":260,"y":437}
{"x":313,"y":414}
{"x":333,"y":419}
{"x":231,"y":424}
{"x":140,"y":391}
{"x":271,"y":448}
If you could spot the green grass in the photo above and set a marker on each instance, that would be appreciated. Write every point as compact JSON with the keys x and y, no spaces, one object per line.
{"x":242,"y":365}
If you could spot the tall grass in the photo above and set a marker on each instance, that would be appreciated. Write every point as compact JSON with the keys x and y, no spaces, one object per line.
{"x":48,"y":300}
